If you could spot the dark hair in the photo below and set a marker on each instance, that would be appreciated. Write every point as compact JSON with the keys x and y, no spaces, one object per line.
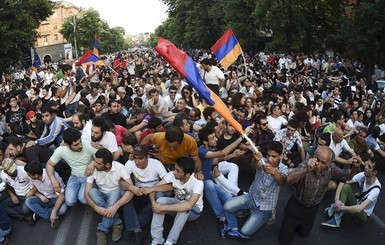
{"x":16,"y":128}
{"x":104,"y":154}
{"x":377,"y":161}
{"x":15,"y":141}
{"x":154,"y":122}
{"x":275,"y":146}
{"x":178,"y":122}
{"x":326,"y":137}
{"x":208,"y":111}
{"x":260,"y":117}
{"x":71,"y":135}
{"x":47,"y":109}
{"x":174,"y":134}
{"x":100,"y":122}
{"x":130,"y":139}
{"x":198,"y":112}
{"x":153,"y":91}
{"x":187,"y":164}
{"x":212,"y":124}
{"x":376,"y":131}
{"x":34,"y":167}
{"x":293,"y":123}
{"x":206,"y":61}
{"x":172,"y":87}
{"x":204,"y":133}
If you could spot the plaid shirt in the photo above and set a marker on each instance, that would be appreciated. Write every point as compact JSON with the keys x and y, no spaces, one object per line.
{"x":265,"y":189}
{"x":288,"y":142}
{"x":310,"y":190}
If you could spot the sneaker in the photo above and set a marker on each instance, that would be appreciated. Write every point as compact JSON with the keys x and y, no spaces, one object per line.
{"x":56,"y":223}
{"x":5,"y":242}
{"x":101,"y":238}
{"x":139,"y":238}
{"x":237,"y":235}
{"x":222,"y":229}
{"x":168,"y":243}
{"x":117,"y":232}
{"x":29,"y":220}
{"x":271,"y":220}
{"x":128,"y":235}
{"x":331,"y":223}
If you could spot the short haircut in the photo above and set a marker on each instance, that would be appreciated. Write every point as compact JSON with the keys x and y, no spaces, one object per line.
{"x":100,"y":122}
{"x":174,"y":134}
{"x":377,"y":161}
{"x":71,"y":135}
{"x":275,"y":146}
{"x":326,"y":137}
{"x":260,"y":117}
{"x":47,"y":109}
{"x":34,"y":167}
{"x":172,"y":87}
{"x":293,"y":123}
{"x":105,"y":155}
{"x":376,"y":131}
{"x":130,"y":139}
{"x":208,"y":111}
{"x":15,"y":141}
{"x":187,"y":164}
{"x":204,"y":133}
{"x":153,"y":91}
{"x":112,"y":101}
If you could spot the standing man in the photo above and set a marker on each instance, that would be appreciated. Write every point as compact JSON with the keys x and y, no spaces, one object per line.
{"x":78,"y":155}
{"x":212,"y":76}
{"x":107,"y":197}
{"x":309,"y":184}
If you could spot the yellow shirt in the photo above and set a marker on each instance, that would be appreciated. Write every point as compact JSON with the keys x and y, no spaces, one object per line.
{"x":168,"y":156}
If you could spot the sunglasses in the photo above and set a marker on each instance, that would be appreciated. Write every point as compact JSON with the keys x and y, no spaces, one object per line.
{"x":263,"y":124}
{"x":172,"y":92}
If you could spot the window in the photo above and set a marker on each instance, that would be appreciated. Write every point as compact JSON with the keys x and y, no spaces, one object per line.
{"x":56,"y":37}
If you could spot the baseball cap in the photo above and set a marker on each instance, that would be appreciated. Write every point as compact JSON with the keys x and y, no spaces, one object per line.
{"x":8,"y":165}
{"x":30,"y":114}
{"x":140,"y":150}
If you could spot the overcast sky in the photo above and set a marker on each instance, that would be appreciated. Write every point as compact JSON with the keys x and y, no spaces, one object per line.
{"x":135,"y":16}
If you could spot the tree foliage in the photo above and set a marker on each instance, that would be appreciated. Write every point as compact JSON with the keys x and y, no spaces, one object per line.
{"x":86,"y":24}
{"x":284,"y":25}
{"x":18,"y":23}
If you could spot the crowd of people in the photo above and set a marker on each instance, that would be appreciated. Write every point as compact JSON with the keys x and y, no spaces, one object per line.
{"x":134,"y":141}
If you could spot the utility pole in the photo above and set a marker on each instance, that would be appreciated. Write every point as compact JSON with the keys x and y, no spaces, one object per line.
{"x":73,"y":23}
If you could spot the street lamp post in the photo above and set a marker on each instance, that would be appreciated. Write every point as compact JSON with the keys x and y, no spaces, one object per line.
{"x":73,"y":23}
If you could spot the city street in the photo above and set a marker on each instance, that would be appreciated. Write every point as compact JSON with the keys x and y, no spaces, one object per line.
{"x":79,"y":228}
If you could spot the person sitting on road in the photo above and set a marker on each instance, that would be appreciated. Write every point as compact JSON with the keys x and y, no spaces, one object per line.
{"x":361,"y":206}
{"x":107,"y":197}
{"x":44,"y":201}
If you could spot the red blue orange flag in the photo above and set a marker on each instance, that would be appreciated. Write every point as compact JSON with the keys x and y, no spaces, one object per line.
{"x":188,"y":69}
{"x":95,"y":44}
{"x":89,"y":58}
{"x":227,"y":49}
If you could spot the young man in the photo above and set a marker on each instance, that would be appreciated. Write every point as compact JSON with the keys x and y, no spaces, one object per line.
{"x":146,"y":172}
{"x":79,"y":156}
{"x":43,"y":199}
{"x":107,"y":197}
{"x":263,"y":193}
{"x":18,"y":185}
{"x":187,"y":202}
{"x":347,"y":203}
{"x":102,"y":137}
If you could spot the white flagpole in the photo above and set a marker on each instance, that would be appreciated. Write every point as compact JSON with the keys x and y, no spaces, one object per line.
{"x":244,"y":61}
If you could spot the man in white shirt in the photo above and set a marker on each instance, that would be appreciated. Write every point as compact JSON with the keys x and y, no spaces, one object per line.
{"x":275,"y":120}
{"x":187,"y":202}
{"x":107,"y":197}
{"x":101,"y":137}
{"x":43,"y":200}
{"x":146,"y":172}
{"x":18,"y":185}
{"x":212,"y":76}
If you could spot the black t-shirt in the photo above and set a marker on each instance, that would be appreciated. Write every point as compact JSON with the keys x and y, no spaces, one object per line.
{"x":38,"y":153}
{"x":223,"y":143}
{"x":117,"y":119}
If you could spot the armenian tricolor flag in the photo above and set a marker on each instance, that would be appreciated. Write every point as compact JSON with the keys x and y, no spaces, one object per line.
{"x":227,"y":49}
{"x":89,"y":58}
{"x":188,"y":69}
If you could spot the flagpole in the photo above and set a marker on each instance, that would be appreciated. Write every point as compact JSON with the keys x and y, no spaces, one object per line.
{"x":244,"y":61}
{"x":253,"y":146}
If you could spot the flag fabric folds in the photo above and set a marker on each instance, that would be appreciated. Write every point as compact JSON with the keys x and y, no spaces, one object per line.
{"x":188,"y":69}
{"x":95,"y":44}
{"x":227,"y":49}
{"x":36,"y":59}
{"x":90,"y":59}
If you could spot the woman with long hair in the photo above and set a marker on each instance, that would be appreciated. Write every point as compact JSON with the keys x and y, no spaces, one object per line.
{"x":189,"y":95}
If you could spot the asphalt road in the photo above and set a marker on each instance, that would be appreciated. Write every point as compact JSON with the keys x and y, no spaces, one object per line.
{"x":79,"y":227}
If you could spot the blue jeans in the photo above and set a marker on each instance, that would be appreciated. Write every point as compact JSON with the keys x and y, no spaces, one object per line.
{"x":180,"y":220}
{"x":75,"y":190}
{"x":17,"y":211}
{"x":137,"y":213}
{"x":216,"y":196}
{"x":4,"y":233}
{"x":257,"y":217}
{"x":106,"y":200}
{"x":44,"y":209}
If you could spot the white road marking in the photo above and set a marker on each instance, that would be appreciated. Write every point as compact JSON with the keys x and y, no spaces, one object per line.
{"x":63,"y":230}
{"x":84,"y":231}
{"x":378,"y":220}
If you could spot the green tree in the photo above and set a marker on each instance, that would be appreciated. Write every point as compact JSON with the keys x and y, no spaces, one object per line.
{"x":18,"y":23}
{"x":83,"y":27}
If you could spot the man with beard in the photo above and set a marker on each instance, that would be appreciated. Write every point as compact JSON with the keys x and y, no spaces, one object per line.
{"x":36,"y":126}
{"x":262,"y":135}
{"x":83,"y":124}
{"x":79,"y":156}
{"x":102,"y":138}
{"x":114,"y":114}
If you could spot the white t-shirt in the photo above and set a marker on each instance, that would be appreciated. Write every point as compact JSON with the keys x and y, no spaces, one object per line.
{"x":338,"y":148}
{"x":372,"y":195}
{"x":276,"y":123}
{"x":21,"y":184}
{"x":149,"y":176}
{"x":184,"y":191}
{"x":108,"y":141}
{"x":213,"y":76}
{"x":109,"y":181}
